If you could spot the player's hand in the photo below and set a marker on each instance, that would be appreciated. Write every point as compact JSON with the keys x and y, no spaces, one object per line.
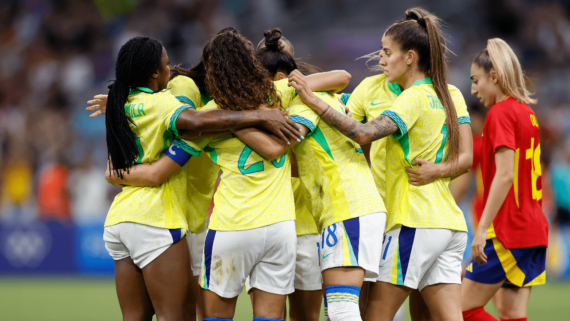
{"x":98,"y":104}
{"x":478,"y":246}
{"x":112,"y":177}
{"x":276,"y":121}
{"x":298,"y":81}
{"x":425,"y":174}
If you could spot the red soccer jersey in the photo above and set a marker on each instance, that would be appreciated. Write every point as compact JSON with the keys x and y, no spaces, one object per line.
{"x":520,"y":222}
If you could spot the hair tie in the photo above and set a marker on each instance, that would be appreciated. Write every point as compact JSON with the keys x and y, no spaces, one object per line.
{"x":269,"y":43}
{"x":422,"y":22}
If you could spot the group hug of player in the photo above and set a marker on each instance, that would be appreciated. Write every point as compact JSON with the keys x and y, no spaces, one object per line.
{"x":365,"y":238}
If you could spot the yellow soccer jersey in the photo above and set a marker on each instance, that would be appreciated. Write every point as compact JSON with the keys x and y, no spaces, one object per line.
{"x":304,"y":221}
{"x":164,"y":206}
{"x":422,"y":134}
{"x":286,"y":93}
{"x":253,"y":192}
{"x":202,"y":172}
{"x":370,"y":98}
{"x":335,"y":172}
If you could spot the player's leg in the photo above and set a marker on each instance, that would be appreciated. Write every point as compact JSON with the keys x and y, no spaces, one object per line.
{"x":131,"y":290}
{"x":272,"y":278}
{"x":305,"y":302}
{"x":217,"y":307}
{"x":350,"y":253}
{"x":418,"y":308}
{"x":363,"y":296}
{"x":474,"y":297}
{"x":305,"y":305}
{"x":440,"y":286}
{"x":168,"y":281}
{"x":512,"y":302}
{"x":384,"y":300}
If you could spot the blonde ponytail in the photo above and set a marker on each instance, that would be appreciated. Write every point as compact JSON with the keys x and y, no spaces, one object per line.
{"x":500,"y":57}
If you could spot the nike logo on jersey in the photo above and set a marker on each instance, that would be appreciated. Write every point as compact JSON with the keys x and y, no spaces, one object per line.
{"x":376,"y":104}
{"x":325,"y":256}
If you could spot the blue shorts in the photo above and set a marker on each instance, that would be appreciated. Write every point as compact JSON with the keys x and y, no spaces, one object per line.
{"x":517,"y":267}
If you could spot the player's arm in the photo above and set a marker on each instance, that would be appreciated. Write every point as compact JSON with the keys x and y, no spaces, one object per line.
{"x":151,"y":174}
{"x":331,"y":81}
{"x":375,"y":129}
{"x":209,"y":120}
{"x":191,"y":135}
{"x":267,"y":145}
{"x":500,"y":187}
{"x":428,"y":171}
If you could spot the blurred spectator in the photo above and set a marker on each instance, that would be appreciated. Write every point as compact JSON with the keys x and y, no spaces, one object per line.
{"x":561,"y":187}
{"x":53,"y":196}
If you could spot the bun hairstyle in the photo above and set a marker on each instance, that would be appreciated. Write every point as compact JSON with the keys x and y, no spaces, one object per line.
{"x":421,"y":31}
{"x":197,"y":73}
{"x":273,"y":56}
{"x":138,"y":59}
{"x":499,"y":56}
{"x":235,"y":79}
{"x":277,"y":54}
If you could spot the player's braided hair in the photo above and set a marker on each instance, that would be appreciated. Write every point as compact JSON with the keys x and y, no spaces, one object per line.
{"x":420,"y":31}
{"x":197,"y":73}
{"x":138,"y":59}
{"x":234,"y":77}
{"x":271,"y":56}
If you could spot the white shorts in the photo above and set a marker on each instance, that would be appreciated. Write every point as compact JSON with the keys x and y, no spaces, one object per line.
{"x":307,"y":270}
{"x":196,"y":246}
{"x":142,"y":243}
{"x":265,"y":254}
{"x":416,"y":257}
{"x":355,"y":242}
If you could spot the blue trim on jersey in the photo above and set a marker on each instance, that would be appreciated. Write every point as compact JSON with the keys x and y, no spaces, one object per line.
{"x":175,"y":117}
{"x":187,"y":148}
{"x":187,"y":100}
{"x":177,"y":154}
{"x":344,"y":98}
{"x":405,"y":244}
{"x":303,"y":121}
{"x":464,"y":119}
{"x":208,"y":245}
{"x":352,"y":228}
{"x":401,"y":124}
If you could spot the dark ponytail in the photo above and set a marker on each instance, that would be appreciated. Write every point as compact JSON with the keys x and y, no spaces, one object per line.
{"x":420,"y":31}
{"x":138,"y":59}
{"x":273,"y":56}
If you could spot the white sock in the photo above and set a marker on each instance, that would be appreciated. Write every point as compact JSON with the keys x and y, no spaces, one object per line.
{"x":342,"y":302}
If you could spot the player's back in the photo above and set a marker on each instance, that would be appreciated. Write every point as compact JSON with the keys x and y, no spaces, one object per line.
{"x":333,"y":168}
{"x":154,"y":116}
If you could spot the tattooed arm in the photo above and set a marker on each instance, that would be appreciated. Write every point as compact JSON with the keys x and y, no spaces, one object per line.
{"x":375,"y":129}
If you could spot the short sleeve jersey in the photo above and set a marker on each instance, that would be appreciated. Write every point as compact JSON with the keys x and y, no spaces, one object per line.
{"x":253,"y":191}
{"x":333,"y":168}
{"x":165,"y":206}
{"x":520,"y":222}
{"x":422,"y":133}
{"x":370,"y":98}
{"x":202,"y":172}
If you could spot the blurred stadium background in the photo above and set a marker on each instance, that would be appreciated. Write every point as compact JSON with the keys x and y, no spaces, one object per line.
{"x":56,"y":54}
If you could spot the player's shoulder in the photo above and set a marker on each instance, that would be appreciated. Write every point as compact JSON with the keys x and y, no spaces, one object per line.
{"x":371,"y":82}
{"x":210,"y":105}
{"x":182,"y":80}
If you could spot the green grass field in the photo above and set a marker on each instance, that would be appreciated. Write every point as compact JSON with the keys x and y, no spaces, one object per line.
{"x":23,"y":299}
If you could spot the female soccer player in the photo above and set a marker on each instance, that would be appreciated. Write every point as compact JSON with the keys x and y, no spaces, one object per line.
{"x":509,"y":246}
{"x":426,"y":235}
{"x":341,"y":193}
{"x":142,"y":230}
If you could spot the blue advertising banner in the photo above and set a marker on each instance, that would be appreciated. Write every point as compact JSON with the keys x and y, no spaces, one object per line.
{"x":92,"y":256}
{"x":36,"y":247}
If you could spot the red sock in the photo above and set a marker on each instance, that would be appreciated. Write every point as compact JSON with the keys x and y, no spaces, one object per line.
{"x":521,"y":319}
{"x":477,"y":314}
